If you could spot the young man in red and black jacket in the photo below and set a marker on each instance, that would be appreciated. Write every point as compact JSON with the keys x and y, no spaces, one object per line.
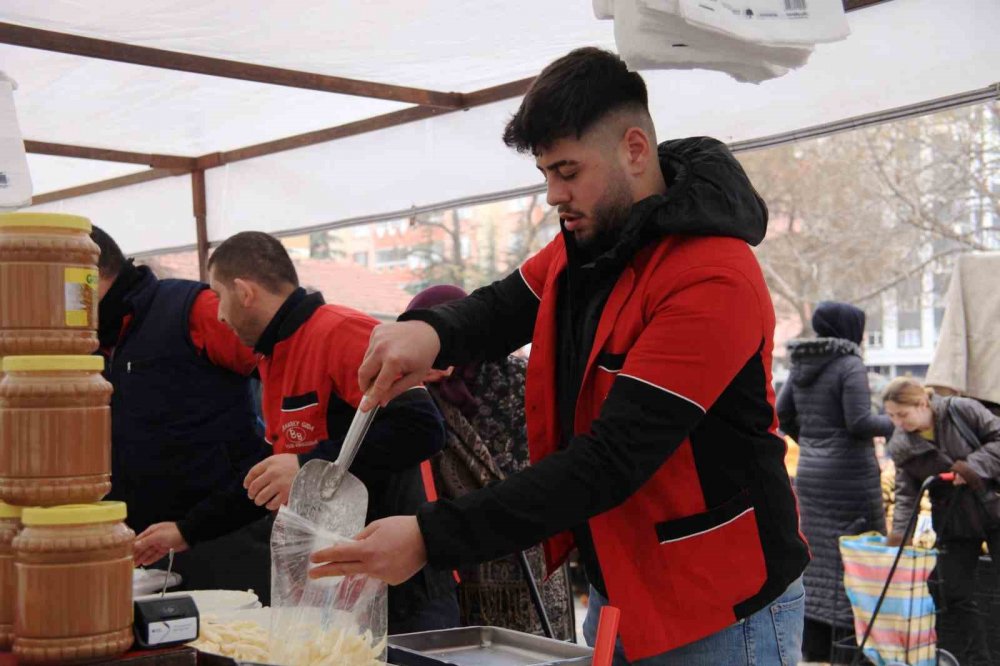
{"x":183,"y":424}
{"x":650,"y":410}
{"x":309,"y":354}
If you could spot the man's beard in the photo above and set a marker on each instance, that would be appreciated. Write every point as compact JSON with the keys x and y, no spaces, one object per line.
{"x":610,"y":215}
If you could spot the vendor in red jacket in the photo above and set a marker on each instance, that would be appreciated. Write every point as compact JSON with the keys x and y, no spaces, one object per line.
{"x":309,"y":354}
{"x":649,"y":404}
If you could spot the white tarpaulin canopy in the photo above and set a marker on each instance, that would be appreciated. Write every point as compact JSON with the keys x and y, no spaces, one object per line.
{"x":900,"y":53}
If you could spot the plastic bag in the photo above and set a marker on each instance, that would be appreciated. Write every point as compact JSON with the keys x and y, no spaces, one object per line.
{"x":338,"y":620}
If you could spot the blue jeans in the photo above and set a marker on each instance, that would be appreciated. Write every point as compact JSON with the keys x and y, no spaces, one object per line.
{"x":769,"y":637}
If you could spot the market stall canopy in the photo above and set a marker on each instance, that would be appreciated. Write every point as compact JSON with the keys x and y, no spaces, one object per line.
{"x":382,"y":108}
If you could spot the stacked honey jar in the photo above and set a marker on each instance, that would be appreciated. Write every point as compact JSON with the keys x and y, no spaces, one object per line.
{"x":65,"y":555}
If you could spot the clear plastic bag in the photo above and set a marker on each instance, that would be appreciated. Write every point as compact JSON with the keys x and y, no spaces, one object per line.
{"x":337,"y":620}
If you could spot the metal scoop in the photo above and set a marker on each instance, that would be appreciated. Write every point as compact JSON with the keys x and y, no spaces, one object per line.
{"x":326,"y":493}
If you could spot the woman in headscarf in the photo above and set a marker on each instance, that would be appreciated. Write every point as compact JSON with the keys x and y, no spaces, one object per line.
{"x":826,"y":407}
{"x":483,"y":409}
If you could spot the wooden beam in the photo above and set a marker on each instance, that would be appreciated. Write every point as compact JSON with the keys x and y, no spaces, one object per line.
{"x":498,"y":93}
{"x":384,"y":121}
{"x":109,"y":155}
{"x":200,"y":205}
{"x":105,"y":185}
{"x":47,"y":40}
{"x":851,"y":5}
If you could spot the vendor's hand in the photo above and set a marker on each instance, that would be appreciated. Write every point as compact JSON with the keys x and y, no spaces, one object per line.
{"x":399,"y":357}
{"x":157,"y":541}
{"x":391,"y":549}
{"x":269,"y":481}
{"x":965,"y":475}
{"x":894,"y":540}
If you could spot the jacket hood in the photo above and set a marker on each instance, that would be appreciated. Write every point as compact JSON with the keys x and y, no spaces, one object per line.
{"x":810,"y":357}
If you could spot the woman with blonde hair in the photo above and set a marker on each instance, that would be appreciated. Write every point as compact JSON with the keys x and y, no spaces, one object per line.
{"x":949,"y":434}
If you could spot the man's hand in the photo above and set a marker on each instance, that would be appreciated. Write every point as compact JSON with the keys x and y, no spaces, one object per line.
{"x":391,"y":549}
{"x":894,"y":540}
{"x":269,"y":481}
{"x":964,"y":474}
{"x":399,"y":357}
{"x":157,"y":541}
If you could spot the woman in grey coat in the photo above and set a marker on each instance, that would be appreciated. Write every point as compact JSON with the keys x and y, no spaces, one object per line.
{"x":826,"y":407}
{"x":935,"y":435}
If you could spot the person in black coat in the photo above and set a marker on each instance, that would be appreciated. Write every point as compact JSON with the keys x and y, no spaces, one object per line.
{"x":826,"y":406}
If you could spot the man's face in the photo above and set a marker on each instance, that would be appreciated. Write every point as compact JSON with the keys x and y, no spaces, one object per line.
{"x":589,"y":187}
{"x":235,"y":309}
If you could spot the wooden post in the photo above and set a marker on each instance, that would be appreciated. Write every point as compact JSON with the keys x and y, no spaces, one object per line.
{"x":200,"y":220}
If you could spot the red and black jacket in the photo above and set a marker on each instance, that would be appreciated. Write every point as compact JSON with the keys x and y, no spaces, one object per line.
{"x":673,"y":471}
{"x":310,"y":355}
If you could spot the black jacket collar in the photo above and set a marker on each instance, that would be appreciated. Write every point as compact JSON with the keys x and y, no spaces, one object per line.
{"x":293,"y":313}
{"x":130,"y":294}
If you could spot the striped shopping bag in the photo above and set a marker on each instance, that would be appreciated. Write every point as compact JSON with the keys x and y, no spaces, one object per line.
{"x":904,"y":629}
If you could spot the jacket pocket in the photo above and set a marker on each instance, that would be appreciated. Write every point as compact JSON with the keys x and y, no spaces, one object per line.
{"x":719,"y":550}
{"x":303,"y":423}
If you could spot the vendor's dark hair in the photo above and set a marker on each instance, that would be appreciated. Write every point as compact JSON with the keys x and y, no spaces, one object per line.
{"x":112,"y":259}
{"x":572,"y":94}
{"x":257,"y":256}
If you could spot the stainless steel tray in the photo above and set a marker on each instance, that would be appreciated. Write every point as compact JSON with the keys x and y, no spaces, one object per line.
{"x":483,"y":646}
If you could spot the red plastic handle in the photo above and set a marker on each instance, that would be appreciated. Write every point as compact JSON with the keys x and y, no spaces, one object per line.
{"x":607,"y":634}
{"x":947,"y":476}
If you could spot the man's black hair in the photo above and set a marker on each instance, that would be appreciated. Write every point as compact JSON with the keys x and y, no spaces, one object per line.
{"x":571,"y":95}
{"x":112,"y":259}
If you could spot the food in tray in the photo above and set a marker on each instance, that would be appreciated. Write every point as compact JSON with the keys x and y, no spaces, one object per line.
{"x":246,"y":640}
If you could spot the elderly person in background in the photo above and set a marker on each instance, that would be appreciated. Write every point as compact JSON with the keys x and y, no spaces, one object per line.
{"x":826,"y":406}
{"x":486,"y":440}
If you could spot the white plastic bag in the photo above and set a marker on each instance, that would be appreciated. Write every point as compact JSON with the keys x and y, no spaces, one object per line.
{"x":15,"y":181}
{"x":328,"y":621}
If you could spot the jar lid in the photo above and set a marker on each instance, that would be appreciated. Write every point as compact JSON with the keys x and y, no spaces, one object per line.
{"x":9,"y":511}
{"x":74,"y":514}
{"x":57,"y":220}
{"x":52,"y":363}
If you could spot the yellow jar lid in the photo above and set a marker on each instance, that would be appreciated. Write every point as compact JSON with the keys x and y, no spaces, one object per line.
{"x":52,"y":363}
{"x":74,"y":514}
{"x":9,"y":511}
{"x":57,"y":220}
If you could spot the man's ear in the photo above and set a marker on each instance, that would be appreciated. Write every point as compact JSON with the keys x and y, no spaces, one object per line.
{"x":637,"y":150}
{"x":246,"y":292}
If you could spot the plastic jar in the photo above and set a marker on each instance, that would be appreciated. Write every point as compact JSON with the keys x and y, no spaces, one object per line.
{"x":55,"y":430}
{"x":10,"y":523}
{"x":73,"y":568}
{"x":48,"y":284}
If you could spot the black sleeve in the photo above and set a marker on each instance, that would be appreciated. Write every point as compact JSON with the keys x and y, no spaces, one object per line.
{"x":227,"y":509}
{"x":857,"y":405}
{"x":788,"y":416}
{"x":404,"y":433}
{"x":639,"y":427}
{"x":487,"y":325}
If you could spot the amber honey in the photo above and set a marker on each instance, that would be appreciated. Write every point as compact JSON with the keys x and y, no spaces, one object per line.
{"x":10,"y":524}
{"x":55,"y":430}
{"x":48,"y":285}
{"x":73,"y":573}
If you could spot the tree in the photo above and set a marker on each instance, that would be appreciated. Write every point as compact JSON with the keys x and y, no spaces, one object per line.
{"x":857,"y":214}
{"x":321,"y":245}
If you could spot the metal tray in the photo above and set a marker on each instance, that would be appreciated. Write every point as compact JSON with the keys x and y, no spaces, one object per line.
{"x":483,"y":646}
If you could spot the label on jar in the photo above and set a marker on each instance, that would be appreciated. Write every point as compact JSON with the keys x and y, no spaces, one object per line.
{"x":80,"y":285}
{"x":173,"y":631}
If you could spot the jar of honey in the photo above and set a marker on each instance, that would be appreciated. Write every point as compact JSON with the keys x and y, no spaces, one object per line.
{"x":55,"y":430}
{"x":48,"y":284}
{"x":73,"y":571}
{"x":10,"y":523}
